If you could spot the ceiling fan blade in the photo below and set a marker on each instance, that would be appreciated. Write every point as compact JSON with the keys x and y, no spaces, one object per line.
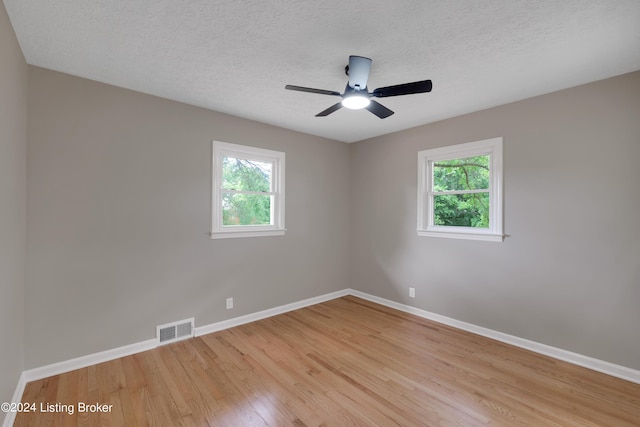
{"x":403,"y":89}
{"x":312,"y":90}
{"x":379,"y":109}
{"x":359,"y":68}
{"x":333,"y":108}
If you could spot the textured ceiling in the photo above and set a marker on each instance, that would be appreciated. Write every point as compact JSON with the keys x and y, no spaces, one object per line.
{"x":236,"y":56}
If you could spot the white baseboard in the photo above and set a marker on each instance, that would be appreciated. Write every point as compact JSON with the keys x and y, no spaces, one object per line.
{"x":557,"y":353}
{"x":237,"y":321}
{"x":105,"y":356}
{"x":88,"y":360}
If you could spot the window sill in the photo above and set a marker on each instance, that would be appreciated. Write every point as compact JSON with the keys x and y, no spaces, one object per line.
{"x":248,"y":233}
{"x":489,"y":237}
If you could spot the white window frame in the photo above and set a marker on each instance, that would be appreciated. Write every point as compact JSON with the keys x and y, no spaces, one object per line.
{"x":277,"y":159}
{"x":426,"y":159}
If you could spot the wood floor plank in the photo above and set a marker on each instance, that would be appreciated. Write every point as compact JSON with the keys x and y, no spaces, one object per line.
{"x":343,"y":362}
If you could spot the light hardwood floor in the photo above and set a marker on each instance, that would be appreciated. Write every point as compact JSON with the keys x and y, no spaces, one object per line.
{"x":346,"y":362}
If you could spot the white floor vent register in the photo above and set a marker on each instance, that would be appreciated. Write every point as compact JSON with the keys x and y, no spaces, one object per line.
{"x":175,"y":331}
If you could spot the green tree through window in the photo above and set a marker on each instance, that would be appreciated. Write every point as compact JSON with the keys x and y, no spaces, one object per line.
{"x":246,"y":198}
{"x":461,"y":192}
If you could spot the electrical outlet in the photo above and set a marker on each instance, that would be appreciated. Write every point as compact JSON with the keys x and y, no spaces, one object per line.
{"x":412,"y":292}
{"x":229,"y":303}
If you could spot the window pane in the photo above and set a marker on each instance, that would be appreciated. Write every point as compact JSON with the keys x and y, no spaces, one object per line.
{"x":462,"y":210}
{"x":469,"y":173}
{"x":246,"y":209}
{"x":246,"y":175}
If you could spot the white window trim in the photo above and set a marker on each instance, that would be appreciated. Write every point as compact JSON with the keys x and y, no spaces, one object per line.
{"x":221,"y":149}
{"x":426,"y":158}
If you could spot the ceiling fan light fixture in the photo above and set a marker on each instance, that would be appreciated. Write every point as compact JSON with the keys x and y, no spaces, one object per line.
{"x":356,"y":102}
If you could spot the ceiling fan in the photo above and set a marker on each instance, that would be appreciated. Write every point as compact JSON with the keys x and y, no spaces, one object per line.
{"x":356,"y":95}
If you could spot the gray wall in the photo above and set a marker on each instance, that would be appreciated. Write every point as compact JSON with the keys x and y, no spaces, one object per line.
{"x":568,"y":275}
{"x":118,"y":219}
{"x":13,"y":164}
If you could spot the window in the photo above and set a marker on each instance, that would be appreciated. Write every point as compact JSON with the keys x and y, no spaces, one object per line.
{"x":248,"y":191}
{"x":460,"y":191}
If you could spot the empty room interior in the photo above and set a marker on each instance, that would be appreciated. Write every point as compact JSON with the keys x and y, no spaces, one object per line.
{"x":320,"y":213}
